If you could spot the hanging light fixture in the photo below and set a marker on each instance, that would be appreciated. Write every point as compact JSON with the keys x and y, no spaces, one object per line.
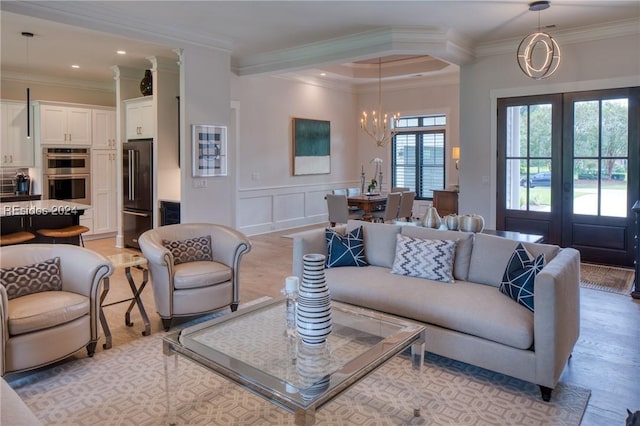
{"x":538,"y":53}
{"x":28,"y":35}
{"x":379,"y":127}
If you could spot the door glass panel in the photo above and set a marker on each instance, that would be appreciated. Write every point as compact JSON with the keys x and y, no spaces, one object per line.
{"x":517,"y":131}
{"x":516,"y":185}
{"x":528,"y":159}
{"x":585,"y":128}
{"x":540,"y":131}
{"x":540,"y":185}
{"x":600,"y":157}
{"x":613,"y":182}
{"x":585,"y":187}
{"x":615,"y":125}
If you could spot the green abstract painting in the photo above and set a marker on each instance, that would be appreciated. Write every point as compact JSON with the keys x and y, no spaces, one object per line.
{"x":311,"y":146}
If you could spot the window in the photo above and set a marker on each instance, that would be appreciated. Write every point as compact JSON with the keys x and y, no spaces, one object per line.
{"x":419,"y":154}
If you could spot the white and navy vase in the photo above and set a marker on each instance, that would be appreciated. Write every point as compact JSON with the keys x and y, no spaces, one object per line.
{"x":313,"y":313}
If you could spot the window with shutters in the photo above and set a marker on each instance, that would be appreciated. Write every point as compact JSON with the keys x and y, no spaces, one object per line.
{"x":418,"y":154}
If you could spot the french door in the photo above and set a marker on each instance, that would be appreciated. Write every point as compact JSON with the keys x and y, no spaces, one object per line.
{"x":568,"y":169}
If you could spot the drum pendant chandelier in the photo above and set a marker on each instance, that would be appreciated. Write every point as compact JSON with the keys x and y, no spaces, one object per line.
{"x":538,"y":53}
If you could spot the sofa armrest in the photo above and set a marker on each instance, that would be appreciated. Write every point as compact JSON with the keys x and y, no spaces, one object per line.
{"x":557,"y":315}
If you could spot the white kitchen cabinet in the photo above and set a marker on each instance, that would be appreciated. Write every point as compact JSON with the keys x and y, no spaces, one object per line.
{"x":63,"y":125}
{"x":103,"y":122}
{"x":103,"y":190}
{"x":140,"y":123}
{"x":15,"y":149}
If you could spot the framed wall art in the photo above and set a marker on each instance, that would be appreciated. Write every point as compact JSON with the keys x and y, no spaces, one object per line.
{"x":311,"y":147}
{"x":209,"y":150}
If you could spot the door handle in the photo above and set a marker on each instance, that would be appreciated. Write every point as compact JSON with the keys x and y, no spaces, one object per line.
{"x":135,"y":213}
{"x":130,"y":151}
{"x":133,"y":173}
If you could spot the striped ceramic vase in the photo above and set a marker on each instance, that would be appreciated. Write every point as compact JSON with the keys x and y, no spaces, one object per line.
{"x":313,"y":313}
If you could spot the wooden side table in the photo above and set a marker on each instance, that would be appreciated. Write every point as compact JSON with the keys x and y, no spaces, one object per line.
{"x":445,"y":201}
{"x":126,"y":261}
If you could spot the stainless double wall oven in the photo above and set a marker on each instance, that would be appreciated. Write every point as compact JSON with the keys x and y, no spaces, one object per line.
{"x":67,"y":174}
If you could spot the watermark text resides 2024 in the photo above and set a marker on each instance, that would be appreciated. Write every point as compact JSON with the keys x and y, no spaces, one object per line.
{"x":37,"y":211}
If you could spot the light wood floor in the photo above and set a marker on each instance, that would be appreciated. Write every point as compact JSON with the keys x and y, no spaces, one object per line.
{"x":605,"y":360}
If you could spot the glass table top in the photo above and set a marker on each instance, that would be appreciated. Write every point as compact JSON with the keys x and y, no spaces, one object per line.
{"x":251,"y":347}
{"x":122,"y":260}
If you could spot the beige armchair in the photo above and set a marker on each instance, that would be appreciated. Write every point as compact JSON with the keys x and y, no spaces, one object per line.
{"x":199,"y":286}
{"x":42,"y":327}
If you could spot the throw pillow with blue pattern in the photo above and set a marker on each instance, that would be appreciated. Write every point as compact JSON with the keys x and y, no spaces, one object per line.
{"x":345,"y":250}
{"x":519,"y":277}
{"x":423,"y":258}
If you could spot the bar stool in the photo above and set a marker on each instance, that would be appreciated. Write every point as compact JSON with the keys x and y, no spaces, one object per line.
{"x":16,"y":238}
{"x":68,"y":232}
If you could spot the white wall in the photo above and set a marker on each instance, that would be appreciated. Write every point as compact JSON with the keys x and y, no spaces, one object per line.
{"x":607,"y":63}
{"x":269,"y":196}
{"x":205,"y":99}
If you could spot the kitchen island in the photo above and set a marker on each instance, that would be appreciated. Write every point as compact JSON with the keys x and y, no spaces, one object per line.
{"x":30,"y":216}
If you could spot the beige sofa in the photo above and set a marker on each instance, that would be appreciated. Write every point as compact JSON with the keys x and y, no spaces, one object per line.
{"x":469,"y":320}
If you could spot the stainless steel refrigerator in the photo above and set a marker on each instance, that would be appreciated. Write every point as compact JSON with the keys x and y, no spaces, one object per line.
{"x":137,"y":176}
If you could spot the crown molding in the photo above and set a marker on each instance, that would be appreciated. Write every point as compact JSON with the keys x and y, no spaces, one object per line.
{"x":96,"y":17}
{"x":17,"y":76}
{"x":446,"y":78}
{"x":337,"y":85}
{"x":622,"y":28}
{"x":365,"y":45}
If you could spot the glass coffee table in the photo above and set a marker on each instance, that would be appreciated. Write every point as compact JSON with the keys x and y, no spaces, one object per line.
{"x":250,"y":347}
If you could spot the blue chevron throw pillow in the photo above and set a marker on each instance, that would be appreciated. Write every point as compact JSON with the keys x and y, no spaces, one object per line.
{"x":345,"y":250}
{"x":520,"y":275}
{"x":432,"y":259}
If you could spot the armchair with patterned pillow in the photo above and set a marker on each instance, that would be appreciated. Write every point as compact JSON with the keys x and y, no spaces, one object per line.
{"x":194,"y":268}
{"x":49,"y":303}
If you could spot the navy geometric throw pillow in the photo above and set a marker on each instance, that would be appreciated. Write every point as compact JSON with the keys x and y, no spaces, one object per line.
{"x":520,"y":275}
{"x":345,"y":250}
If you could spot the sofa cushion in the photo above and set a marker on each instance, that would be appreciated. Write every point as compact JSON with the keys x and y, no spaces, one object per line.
{"x":38,"y":277}
{"x":200,"y":274}
{"x":463,"y":247}
{"x":190,"y":250}
{"x":39,"y":311}
{"x":417,"y":257}
{"x":489,"y":259}
{"x":466,"y":307}
{"x":345,"y":250}
{"x":519,"y":277}
{"x":379,"y":243}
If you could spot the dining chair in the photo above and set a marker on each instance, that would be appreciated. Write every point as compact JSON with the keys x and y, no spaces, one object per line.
{"x":390,"y":211}
{"x":399,"y":189}
{"x":339,"y":209}
{"x":354,"y":192}
{"x":406,"y":205}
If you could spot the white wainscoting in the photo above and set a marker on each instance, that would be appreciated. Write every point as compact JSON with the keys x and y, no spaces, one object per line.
{"x":264,"y":210}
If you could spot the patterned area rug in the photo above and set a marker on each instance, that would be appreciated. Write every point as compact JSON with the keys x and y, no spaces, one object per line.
{"x":606,"y":278}
{"x":125,"y":386}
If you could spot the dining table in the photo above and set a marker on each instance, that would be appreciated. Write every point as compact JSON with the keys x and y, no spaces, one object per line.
{"x":369,"y":203}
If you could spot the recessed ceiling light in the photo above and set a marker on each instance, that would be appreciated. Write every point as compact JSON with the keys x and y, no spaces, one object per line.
{"x":75,"y":66}
{"x":121,"y":52}
{"x":323,"y":74}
